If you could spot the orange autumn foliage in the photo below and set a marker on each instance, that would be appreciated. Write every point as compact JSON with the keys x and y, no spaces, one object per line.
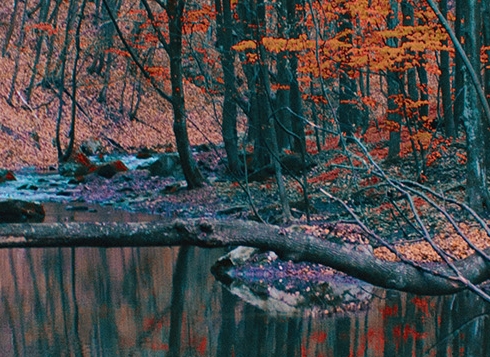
{"x":325,"y":176}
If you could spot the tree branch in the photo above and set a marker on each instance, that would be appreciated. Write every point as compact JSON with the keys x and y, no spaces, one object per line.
{"x":134,"y":57}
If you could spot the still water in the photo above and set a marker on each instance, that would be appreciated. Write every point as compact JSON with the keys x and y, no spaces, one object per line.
{"x":165,"y":302}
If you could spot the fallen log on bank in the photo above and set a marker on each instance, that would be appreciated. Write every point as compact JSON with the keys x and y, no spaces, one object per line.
{"x":356,"y":260}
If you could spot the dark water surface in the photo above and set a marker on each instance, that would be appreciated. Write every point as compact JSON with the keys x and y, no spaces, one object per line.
{"x":165,"y":302}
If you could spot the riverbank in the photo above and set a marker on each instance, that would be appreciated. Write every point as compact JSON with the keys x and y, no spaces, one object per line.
{"x":228,"y":197}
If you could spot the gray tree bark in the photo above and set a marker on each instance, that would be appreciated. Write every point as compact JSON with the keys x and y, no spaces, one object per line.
{"x":175,"y":11}
{"x":229,"y":130}
{"x":295,"y":100}
{"x":43,"y":15}
{"x":450,"y":128}
{"x":393,"y":84}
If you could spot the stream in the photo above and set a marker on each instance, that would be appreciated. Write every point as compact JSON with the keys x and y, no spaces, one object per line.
{"x":165,"y":302}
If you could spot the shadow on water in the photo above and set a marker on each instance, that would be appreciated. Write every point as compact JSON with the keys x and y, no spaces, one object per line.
{"x":165,"y":302}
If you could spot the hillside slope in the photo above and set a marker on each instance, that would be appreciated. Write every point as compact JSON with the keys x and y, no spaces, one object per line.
{"x":27,"y":131}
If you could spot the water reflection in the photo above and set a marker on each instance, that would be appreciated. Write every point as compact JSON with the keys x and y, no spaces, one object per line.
{"x":164,"y":302}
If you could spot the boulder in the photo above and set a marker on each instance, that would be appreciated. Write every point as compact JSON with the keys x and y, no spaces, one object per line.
{"x":110,"y":169}
{"x":6,"y":175}
{"x":166,"y":165}
{"x":78,"y":165}
{"x":91,"y":147}
{"x":145,"y":153}
{"x":284,"y":287}
{"x":18,"y":211}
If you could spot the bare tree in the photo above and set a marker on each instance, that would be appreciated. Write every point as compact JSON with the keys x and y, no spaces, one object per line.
{"x":450,"y":128}
{"x":175,"y":10}
{"x":10,"y":30}
{"x":229,"y":123}
{"x":63,"y":155}
{"x":475,"y":103}
{"x":394,"y":82}
{"x":43,"y":16}
{"x":19,"y":44}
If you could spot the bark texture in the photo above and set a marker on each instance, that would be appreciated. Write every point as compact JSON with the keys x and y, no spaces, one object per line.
{"x":355,"y":260}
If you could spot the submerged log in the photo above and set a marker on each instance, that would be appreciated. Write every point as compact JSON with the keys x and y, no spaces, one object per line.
{"x":353,"y":259}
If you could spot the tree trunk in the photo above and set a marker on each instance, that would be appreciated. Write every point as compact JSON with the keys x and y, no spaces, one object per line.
{"x":101,"y":61}
{"x":486,"y":43}
{"x":364,"y":89}
{"x":105,"y":37}
{"x":414,"y":116}
{"x":485,"y":19}
{"x":43,"y":16}
{"x":474,"y":101}
{"x":267,"y":129}
{"x":424,"y":85}
{"x":393,"y":84}
{"x":262,"y":151}
{"x":49,"y":74}
{"x":225,"y":41}
{"x":10,"y":30}
{"x":74,"y":72}
{"x":282,"y":105}
{"x":459,"y":86}
{"x":63,"y":155}
{"x":19,"y":44}
{"x":476,"y":186}
{"x":194,"y":178}
{"x":179,"y":285}
{"x":175,"y":9}
{"x":295,"y":100}
{"x":353,"y":259}
{"x":248,"y":29}
{"x":274,"y":148}
{"x":348,"y":112}
{"x":422,"y":74}
{"x":447,"y":102}
{"x":411,"y":73}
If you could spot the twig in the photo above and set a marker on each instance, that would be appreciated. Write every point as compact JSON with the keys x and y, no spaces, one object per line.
{"x":450,"y":219}
{"x":442,"y":254}
{"x":384,"y":243}
{"x":27,"y":104}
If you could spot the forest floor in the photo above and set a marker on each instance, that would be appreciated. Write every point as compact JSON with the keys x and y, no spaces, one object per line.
{"x":229,"y":197}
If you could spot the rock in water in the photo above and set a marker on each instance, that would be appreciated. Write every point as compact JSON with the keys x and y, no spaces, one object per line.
{"x":167,"y":165}
{"x":110,"y":169}
{"x":18,"y":211}
{"x":6,"y":175}
{"x":77,"y":165}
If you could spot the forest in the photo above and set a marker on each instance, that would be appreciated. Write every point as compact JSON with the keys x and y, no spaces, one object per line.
{"x":355,"y":133}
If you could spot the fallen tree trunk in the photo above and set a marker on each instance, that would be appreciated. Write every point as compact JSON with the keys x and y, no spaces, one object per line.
{"x":352,"y":259}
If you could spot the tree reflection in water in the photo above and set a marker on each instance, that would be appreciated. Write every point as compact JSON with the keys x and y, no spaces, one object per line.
{"x":165,"y":302}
